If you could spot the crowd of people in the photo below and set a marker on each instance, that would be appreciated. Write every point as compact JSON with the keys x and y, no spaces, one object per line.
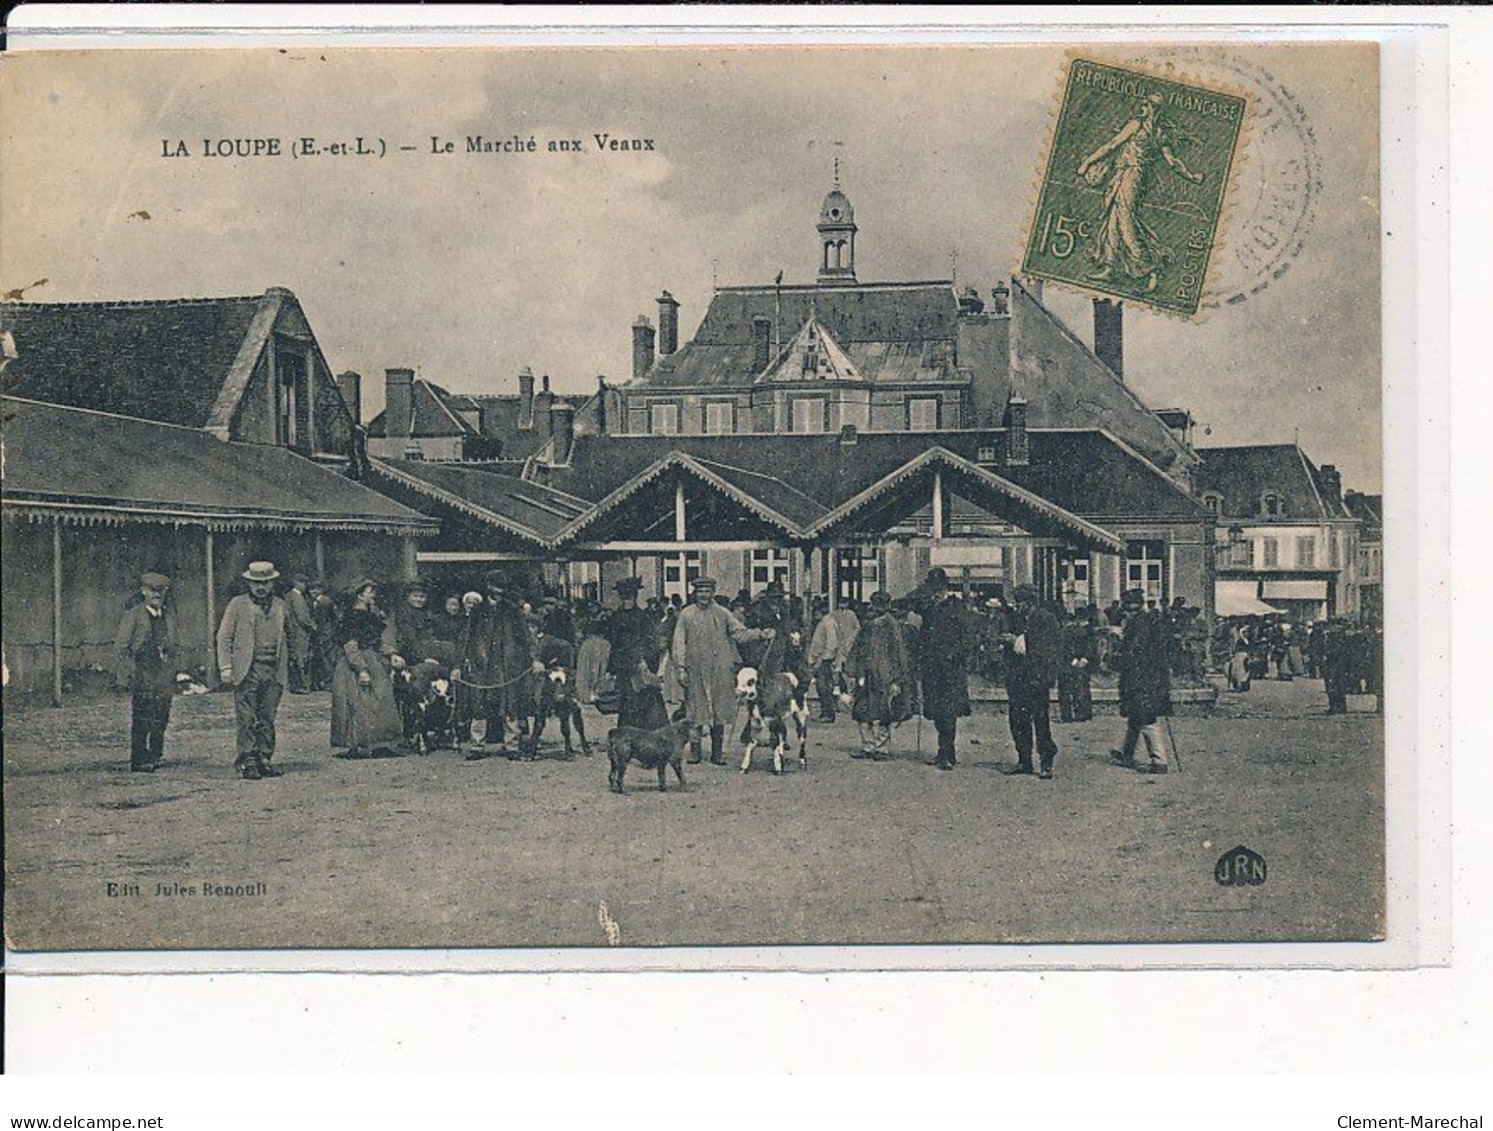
{"x":1348,"y":657}
{"x":488,"y":652}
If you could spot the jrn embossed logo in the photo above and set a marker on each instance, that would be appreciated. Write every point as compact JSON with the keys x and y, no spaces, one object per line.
{"x":1240,"y":867}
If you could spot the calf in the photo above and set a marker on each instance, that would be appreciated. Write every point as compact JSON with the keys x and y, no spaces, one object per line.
{"x":651,"y":749}
{"x":427,"y":704}
{"x":555,"y":697}
{"x":769,"y":708}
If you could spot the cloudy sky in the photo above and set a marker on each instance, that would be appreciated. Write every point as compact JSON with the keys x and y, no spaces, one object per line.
{"x":471,"y":266}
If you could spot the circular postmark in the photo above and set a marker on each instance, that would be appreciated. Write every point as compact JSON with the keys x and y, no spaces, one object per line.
{"x":1277,"y":181}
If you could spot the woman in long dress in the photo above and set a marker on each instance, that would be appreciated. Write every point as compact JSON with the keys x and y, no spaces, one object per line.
{"x":365,"y":719}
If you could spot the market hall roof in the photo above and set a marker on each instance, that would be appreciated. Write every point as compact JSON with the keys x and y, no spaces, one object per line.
{"x":84,"y":466}
{"x":179,"y":361}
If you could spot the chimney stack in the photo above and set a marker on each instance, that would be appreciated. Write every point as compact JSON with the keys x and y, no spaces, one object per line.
{"x":350,"y":385}
{"x":761,"y":343}
{"x":668,"y":324}
{"x":642,"y":347}
{"x":1332,"y":486}
{"x":562,"y":429}
{"x":1109,"y":334}
{"x":1000,"y":299}
{"x":544,"y":400}
{"x":526,"y":399}
{"x":1017,"y":451}
{"x":398,"y":402}
{"x":601,"y":403}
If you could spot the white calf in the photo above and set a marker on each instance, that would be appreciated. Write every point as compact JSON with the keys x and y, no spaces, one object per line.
{"x":769,"y":710}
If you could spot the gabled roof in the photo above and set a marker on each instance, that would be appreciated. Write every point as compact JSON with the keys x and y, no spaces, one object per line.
{"x":79,"y":465}
{"x":1243,"y":475}
{"x":171,"y":360}
{"x":513,"y":504}
{"x":812,"y":355}
{"x":891,"y":332}
{"x":437,"y":412}
{"x":1368,"y":509}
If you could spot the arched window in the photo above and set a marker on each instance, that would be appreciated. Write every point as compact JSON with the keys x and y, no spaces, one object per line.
{"x":1271,"y":505}
{"x":829,"y":247}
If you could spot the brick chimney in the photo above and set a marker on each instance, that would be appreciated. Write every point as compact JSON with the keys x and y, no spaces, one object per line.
{"x":668,"y":324}
{"x":1109,"y":334}
{"x":1017,"y":451}
{"x":544,"y":400}
{"x":526,"y":399}
{"x":562,"y":429}
{"x":642,"y":347}
{"x":398,"y":402}
{"x":761,"y":343}
{"x":350,"y":385}
{"x":1000,"y":299}
{"x":601,"y":403}
{"x":1331,"y":484}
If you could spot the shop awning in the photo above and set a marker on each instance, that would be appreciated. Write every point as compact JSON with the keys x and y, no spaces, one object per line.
{"x":1294,"y":590}
{"x":1237,"y":599}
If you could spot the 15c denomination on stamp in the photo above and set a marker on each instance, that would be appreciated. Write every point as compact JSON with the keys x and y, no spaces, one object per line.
{"x":1134,"y":187}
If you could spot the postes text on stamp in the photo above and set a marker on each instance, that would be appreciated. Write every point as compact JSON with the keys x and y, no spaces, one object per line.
{"x":1134,"y":187}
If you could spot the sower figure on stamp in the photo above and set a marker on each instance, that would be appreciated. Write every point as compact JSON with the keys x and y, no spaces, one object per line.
{"x":947,"y":641}
{"x":706,"y":637}
{"x":254,"y":660}
{"x":145,"y":646}
{"x":1130,"y":159}
{"x":1145,"y":683}
{"x":1033,"y":651}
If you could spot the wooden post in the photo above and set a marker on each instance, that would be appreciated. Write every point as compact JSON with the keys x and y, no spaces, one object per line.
{"x":321,"y":558}
{"x":937,"y":505}
{"x":56,"y":612}
{"x":209,"y":553}
{"x":680,"y":534}
{"x":409,"y":563}
{"x":832,"y":560}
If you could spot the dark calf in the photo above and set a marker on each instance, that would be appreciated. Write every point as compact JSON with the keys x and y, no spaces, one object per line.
{"x":556,"y":699}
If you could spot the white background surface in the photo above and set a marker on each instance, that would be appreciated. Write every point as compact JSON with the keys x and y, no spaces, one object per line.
{"x":1162,"y":1034}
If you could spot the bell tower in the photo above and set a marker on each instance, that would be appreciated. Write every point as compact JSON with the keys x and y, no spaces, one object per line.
{"x":836,"y":236}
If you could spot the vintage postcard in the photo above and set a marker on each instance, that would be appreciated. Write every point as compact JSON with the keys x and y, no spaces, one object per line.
{"x":708,"y":497}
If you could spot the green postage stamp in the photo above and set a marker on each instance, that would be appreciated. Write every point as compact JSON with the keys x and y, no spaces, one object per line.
{"x":1135,"y":184}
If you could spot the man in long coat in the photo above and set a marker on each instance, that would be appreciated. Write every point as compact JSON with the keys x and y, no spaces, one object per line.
{"x":1033,"y":646}
{"x":146,"y":645}
{"x":881,"y":672}
{"x":1145,"y":683}
{"x":634,"y":660}
{"x":947,"y":640}
{"x":300,"y":631}
{"x":706,"y":638}
{"x":498,"y":651}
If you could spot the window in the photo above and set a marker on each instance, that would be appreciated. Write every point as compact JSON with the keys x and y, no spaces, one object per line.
{"x":720,"y":418}
{"x":1271,"y":505}
{"x":663,"y":419}
{"x":1269,"y":552}
{"x":1334,"y":554}
{"x":922,"y":414}
{"x":1073,"y":577}
{"x":809,"y":414}
{"x":858,"y":572}
{"x":1145,"y":569}
{"x":1306,"y":551}
{"x":694,"y":565}
{"x":769,"y":566}
{"x":986,"y":455}
{"x":1214,"y":502}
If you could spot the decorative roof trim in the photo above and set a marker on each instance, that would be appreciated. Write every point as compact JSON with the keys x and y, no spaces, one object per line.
{"x":458,"y":502}
{"x":1090,"y":531}
{"x":110,"y":514}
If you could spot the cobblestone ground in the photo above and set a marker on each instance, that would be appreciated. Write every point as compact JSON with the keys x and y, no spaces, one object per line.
{"x":439,"y":852}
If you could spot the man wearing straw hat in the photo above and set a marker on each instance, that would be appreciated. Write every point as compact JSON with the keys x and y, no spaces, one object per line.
{"x":254,"y":660}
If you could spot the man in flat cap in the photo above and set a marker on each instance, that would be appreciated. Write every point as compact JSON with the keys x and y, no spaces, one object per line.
{"x":948,"y":638}
{"x":705,"y":657}
{"x":500,"y":651}
{"x":1145,"y":684}
{"x":145,"y":647}
{"x":254,"y":659}
{"x":634,"y":661}
{"x":1032,"y":646}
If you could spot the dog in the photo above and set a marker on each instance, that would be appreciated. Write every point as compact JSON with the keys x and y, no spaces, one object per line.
{"x":769,"y":710}
{"x":651,"y":749}
{"x":555,"y":698}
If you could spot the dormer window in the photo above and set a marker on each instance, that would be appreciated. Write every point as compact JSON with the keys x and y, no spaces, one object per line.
{"x":986,"y":455}
{"x":1214,"y":502}
{"x":1271,"y":505}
